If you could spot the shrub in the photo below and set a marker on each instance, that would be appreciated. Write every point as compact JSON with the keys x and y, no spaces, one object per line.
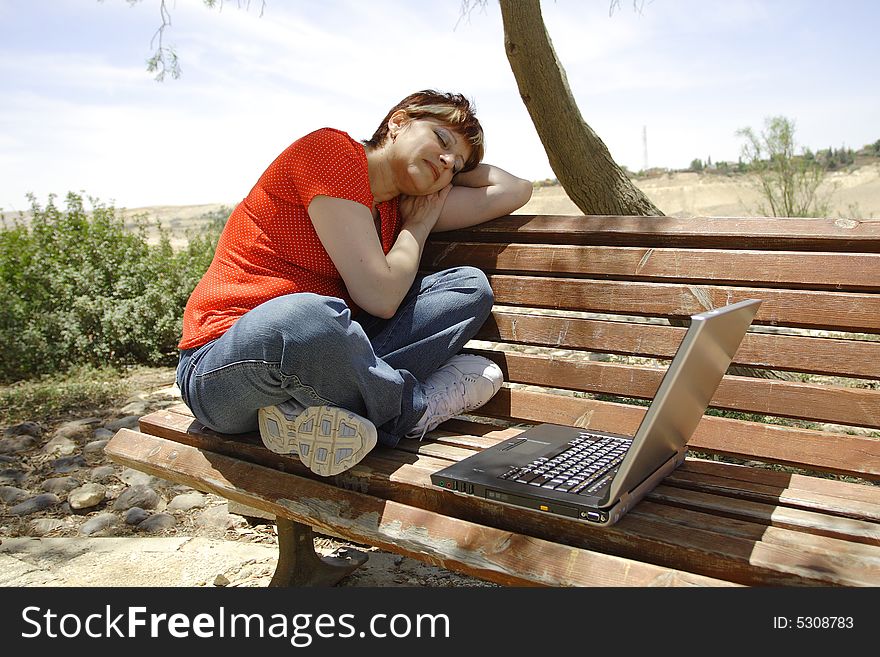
{"x":82,"y":289}
{"x":787,"y":181}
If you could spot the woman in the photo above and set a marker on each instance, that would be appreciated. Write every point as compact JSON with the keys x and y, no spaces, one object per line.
{"x":312,"y":323}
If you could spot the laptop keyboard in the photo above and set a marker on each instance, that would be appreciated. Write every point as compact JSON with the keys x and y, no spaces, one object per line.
{"x":582,"y":466}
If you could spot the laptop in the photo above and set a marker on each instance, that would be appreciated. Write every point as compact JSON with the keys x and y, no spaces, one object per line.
{"x":596,"y":476}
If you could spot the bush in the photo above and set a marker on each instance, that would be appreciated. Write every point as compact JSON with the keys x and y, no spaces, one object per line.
{"x":80,"y":288}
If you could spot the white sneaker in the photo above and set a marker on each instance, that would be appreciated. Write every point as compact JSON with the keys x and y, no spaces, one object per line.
{"x":462,"y":384}
{"x":327,"y":439}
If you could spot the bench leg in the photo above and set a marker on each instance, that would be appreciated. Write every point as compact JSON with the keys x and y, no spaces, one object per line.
{"x":300,"y":565}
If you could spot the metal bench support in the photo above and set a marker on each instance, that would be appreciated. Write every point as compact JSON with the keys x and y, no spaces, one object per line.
{"x":299,"y":564}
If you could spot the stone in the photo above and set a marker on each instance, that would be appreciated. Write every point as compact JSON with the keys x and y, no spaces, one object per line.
{"x":17,"y":444}
{"x":136,"y":515}
{"x":102,"y":473}
{"x":99,"y":523}
{"x":35,"y":504}
{"x":11,"y":494}
{"x":43,"y":526}
{"x":86,"y":496}
{"x":216,"y":517}
{"x":157,"y":522}
{"x":127,"y":422}
{"x":60,"y":446}
{"x":68,"y":463}
{"x":76,"y":429}
{"x":142,"y":496}
{"x":186,"y":502}
{"x":11,"y":476}
{"x":102,"y":434}
{"x":60,"y":485}
{"x":134,"y":477}
{"x":95,"y":449}
{"x":137,"y":407}
{"x":24,"y":429}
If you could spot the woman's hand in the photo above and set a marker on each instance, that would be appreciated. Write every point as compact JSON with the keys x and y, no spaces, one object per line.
{"x":423,"y":210}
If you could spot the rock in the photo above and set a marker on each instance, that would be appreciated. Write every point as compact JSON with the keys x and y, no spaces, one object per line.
{"x":217,"y":517}
{"x":157,"y":523}
{"x":135,"y":515}
{"x":137,"y":407}
{"x":95,"y":449}
{"x":98,"y":524}
{"x":11,"y":476}
{"x":76,"y":429}
{"x":221,"y":580}
{"x":35,"y":504}
{"x":86,"y":496}
{"x":60,"y":485}
{"x":127,"y":422}
{"x":186,"y":502}
{"x":134,"y":477}
{"x":24,"y":429}
{"x":102,"y":434}
{"x":43,"y":526}
{"x":142,"y":496}
{"x":60,"y":446}
{"x":11,"y":494}
{"x":68,"y":464}
{"x":17,"y":444}
{"x":102,"y":473}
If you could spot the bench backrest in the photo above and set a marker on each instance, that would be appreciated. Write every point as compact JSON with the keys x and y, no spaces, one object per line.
{"x":589,"y":310}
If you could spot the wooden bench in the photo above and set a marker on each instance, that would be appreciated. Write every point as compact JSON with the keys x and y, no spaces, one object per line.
{"x":780,"y":484}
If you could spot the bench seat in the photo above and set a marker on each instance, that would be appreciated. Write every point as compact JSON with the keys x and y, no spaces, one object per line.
{"x":779,"y":488}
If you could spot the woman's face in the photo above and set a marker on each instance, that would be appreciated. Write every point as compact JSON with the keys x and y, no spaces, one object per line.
{"x":426,"y":155}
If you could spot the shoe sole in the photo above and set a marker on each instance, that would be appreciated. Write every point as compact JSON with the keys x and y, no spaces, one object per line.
{"x":327,"y":439}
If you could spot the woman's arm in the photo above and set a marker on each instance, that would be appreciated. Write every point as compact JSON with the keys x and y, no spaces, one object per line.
{"x":481,"y":194}
{"x":376,"y":282}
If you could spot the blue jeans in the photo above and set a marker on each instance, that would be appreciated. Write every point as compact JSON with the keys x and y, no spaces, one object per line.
{"x":307,"y":348}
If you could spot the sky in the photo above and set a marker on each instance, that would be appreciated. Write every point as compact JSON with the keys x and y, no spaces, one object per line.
{"x":661,"y":86}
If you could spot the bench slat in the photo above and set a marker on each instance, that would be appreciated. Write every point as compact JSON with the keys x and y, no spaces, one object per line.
{"x":789,"y":269}
{"x":781,"y":536}
{"x":844,"y":311}
{"x":795,"y":234}
{"x":813,"y":355}
{"x":843,"y":491}
{"x":514,"y":560}
{"x":856,"y":456}
{"x":777,"y":515}
{"x":805,"y":500}
{"x":823,"y":403}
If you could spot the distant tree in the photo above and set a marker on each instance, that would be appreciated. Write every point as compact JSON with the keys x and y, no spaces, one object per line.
{"x":696,"y":165}
{"x":787,"y":181}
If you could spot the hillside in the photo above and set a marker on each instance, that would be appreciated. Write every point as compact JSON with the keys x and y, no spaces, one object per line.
{"x":854,"y":194}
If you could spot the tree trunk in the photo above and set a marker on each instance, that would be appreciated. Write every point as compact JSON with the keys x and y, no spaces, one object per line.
{"x":578,"y":157}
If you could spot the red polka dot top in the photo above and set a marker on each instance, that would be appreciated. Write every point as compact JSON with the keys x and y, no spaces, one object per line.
{"x":270,"y":248}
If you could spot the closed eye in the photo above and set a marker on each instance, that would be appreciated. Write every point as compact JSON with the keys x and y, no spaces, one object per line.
{"x":445,"y":144}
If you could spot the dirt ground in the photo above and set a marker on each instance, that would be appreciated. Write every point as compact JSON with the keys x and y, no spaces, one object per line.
{"x":250,"y":542}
